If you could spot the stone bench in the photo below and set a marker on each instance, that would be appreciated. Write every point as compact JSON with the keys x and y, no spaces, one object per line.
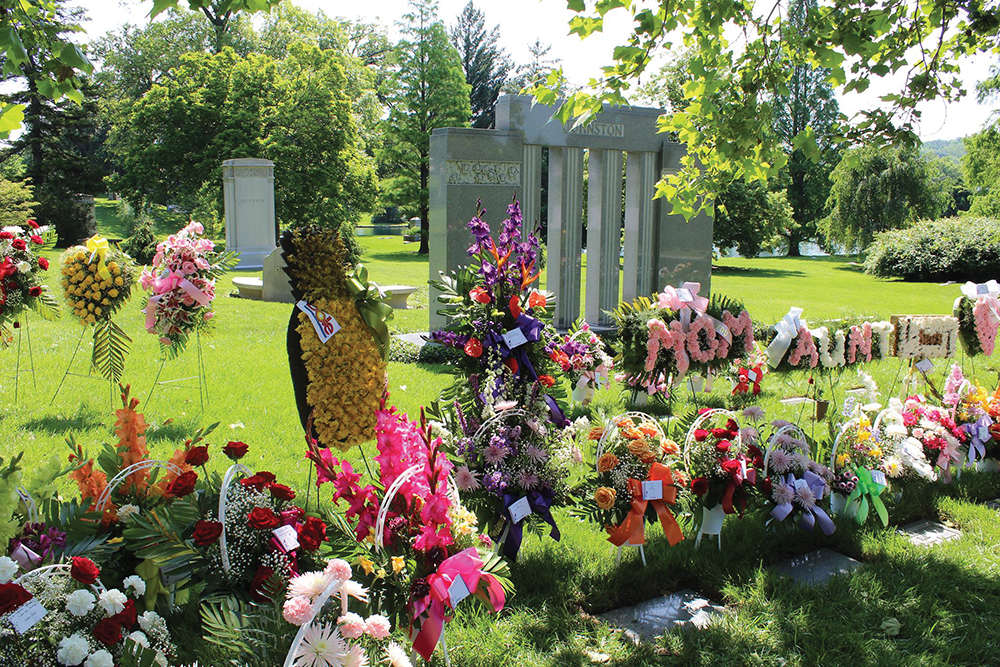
{"x":397,"y":295}
{"x":250,"y":288}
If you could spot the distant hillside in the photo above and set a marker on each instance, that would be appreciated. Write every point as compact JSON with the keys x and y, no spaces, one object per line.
{"x":949,"y":149}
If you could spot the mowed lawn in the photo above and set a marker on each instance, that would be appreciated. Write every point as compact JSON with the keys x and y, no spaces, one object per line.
{"x":945,"y":599}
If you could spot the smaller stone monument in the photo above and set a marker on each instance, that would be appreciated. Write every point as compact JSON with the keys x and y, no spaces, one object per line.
{"x":248,"y":185}
{"x":277,"y":287}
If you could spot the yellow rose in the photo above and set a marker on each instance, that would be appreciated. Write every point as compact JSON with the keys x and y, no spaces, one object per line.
{"x":605,"y":497}
{"x":113,"y":293}
{"x":91,"y":318}
{"x":118,"y":281}
{"x":97,"y":311}
{"x":607,"y":462}
{"x":79,"y":256}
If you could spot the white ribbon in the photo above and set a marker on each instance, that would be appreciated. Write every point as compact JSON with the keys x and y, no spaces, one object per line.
{"x":787,"y":329}
{"x":989,"y":288}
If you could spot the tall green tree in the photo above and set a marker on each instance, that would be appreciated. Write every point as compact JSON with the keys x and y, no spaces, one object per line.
{"x":541,"y":69}
{"x":875,"y":190}
{"x":981,"y":167}
{"x":808,"y":107}
{"x":748,"y":218}
{"x":484,"y":61}
{"x":431,"y":93}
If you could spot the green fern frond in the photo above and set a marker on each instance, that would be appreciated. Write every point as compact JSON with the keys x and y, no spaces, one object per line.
{"x":111,"y":345}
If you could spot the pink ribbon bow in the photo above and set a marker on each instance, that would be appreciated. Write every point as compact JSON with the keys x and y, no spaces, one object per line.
{"x":166,"y":283}
{"x":429,"y":612}
{"x":669,"y":298}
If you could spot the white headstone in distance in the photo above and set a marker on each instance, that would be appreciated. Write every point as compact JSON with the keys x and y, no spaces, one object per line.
{"x":276,"y":284}
{"x":248,"y":185}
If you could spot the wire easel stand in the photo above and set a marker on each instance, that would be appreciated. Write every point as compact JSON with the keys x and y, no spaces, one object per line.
{"x":201,"y":377}
{"x":89,"y":374}
{"x":23,"y":332}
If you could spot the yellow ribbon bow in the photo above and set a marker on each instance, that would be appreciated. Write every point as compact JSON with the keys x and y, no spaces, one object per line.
{"x":98,"y":245}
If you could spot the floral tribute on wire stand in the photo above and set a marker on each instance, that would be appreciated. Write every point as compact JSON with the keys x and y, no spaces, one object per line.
{"x":795,"y":484}
{"x":63,"y":615}
{"x":420,"y":550}
{"x":181,"y":284}
{"x":723,"y":469}
{"x":21,"y":265}
{"x":978,"y":314}
{"x":338,"y":338}
{"x":500,"y":320}
{"x":581,"y":356}
{"x":976,"y":412}
{"x":97,"y":281}
{"x":943,"y":441}
{"x":636,"y":477}
{"x":665,"y":337}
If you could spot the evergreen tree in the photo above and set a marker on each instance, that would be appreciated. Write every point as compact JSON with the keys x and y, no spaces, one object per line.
{"x":809,"y":104}
{"x":484,"y":62}
{"x":431,"y":92}
{"x":536,"y":71}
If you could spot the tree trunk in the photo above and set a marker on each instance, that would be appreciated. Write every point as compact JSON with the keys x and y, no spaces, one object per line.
{"x":793,"y":245}
{"x":425,"y":218}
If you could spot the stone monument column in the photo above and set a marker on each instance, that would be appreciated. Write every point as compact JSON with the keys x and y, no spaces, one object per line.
{"x":604,"y":234}
{"x":685,"y":247}
{"x":639,"y":278}
{"x":565,"y":233}
{"x":248,"y":186}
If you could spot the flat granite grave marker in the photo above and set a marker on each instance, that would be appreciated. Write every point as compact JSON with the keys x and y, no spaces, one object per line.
{"x":927,"y":533}
{"x":816,"y":567}
{"x":993,"y":504}
{"x":648,"y":620}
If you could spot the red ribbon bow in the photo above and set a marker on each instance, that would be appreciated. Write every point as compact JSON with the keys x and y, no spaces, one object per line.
{"x":735,"y":469}
{"x":744,"y":383}
{"x":631,"y":530}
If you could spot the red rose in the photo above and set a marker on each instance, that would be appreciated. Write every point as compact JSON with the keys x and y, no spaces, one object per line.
{"x":312,"y":533}
{"x":701,"y":434}
{"x":262,"y":518}
{"x":281,"y":492}
{"x":43,"y":262}
{"x":196,"y":456}
{"x":32,"y":224}
{"x":108,"y":631}
{"x":268,"y":477}
{"x":255,"y":482}
{"x":18,"y":244}
{"x":257,"y":585}
{"x":206,"y":533}
{"x":37,"y":240}
{"x":995,"y":431}
{"x":12,"y":596}
{"x":720,"y":433}
{"x":537,"y":300}
{"x":547,"y":380}
{"x":127,"y":617}
{"x":768,"y":486}
{"x":6,"y":235}
{"x":753,"y":451}
{"x":474,"y":348}
{"x":699,"y":485}
{"x":183,"y":485}
{"x":731,"y":467}
{"x":235,"y":450}
{"x":35,"y":291}
{"x":722,"y":446}
{"x":84,"y":570}
{"x":479,"y":295}
{"x":731,"y":425}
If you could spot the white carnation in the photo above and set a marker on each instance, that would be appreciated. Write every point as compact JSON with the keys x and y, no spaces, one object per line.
{"x":136,"y":583}
{"x":79,"y":603}
{"x":161,"y":659}
{"x":112,"y":601}
{"x":148,"y":620}
{"x":127,"y":510}
{"x":139,"y":639}
{"x":23,"y":267}
{"x":72,"y":650}
{"x":100,"y":659}
{"x":8,"y":568}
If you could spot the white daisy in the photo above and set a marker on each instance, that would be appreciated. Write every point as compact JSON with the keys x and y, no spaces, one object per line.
{"x":310,"y":585}
{"x":397,"y":655}
{"x":321,"y":646}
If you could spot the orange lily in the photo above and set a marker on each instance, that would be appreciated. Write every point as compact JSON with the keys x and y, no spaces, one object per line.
{"x":496,"y":256}
{"x":526,"y":277}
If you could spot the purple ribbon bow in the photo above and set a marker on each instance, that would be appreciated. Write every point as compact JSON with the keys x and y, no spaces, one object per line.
{"x":811,"y":514}
{"x":979,"y":435}
{"x":531,"y":327}
{"x":540,"y":503}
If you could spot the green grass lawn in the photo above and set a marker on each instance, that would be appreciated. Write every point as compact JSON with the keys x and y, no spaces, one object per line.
{"x":945,"y":599}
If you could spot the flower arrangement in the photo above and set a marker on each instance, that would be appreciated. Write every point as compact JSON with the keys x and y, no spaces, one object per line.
{"x":978,"y":314}
{"x":975,"y":411}
{"x":940,"y":437}
{"x":97,"y":281}
{"x":21,"y":265}
{"x":794,"y":482}
{"x":414,"y":539}
{"x":63,"y":615}
{"x":722,"y":468}
{"x":858,"y":460}
{"x":581,"y":356}
{"x":853,"y":344}
{"x":181,"y":284}
{"x":925,"y":336}
{"x":498,"y":318}
{"x":791,"y":344}
{"x":637,"y":474}
{"x":662,"y":340}
{"x":339,"y":380}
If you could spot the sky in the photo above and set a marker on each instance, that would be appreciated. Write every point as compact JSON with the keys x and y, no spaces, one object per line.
{"x":521,"y":22}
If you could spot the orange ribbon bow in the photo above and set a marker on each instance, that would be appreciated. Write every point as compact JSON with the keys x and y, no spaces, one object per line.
{"x":631,"y":530}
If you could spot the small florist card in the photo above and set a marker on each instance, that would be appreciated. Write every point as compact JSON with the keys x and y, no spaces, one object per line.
{"x":652,"y":490}
{"x":878,"y":477}
{"x":324,"y":324}
{"x":685,"y":295}
{"x":519,"y":509}
{"x":514,"y":338}
{"x":24,"y":617}
{"x":458,"y":591}
{"x":287,"y":537}
{"x":925,"y":366}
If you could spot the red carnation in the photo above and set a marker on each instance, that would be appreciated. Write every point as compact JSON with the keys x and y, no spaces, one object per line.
{"x":262,"y":518}
{"x":547,"y":380}
{"x":37,"y":240}
{"x":35,"y":291}
{"x":281,"y":492}
{"x":206,"y":532}
{"x":43,"y":262}
{"x":701,"y":434}
{"x":127,"y":617}
{"x":183,"y":485}
{"x":6,"y":235}
{"x":12,"y":596}
{"x":18,"y":244}
{"x":235,"y":450}
{"x":699,"y":485}
{"x":474,"y":348}
{"x":108,"y":631}
{"x":257,"y":585}
{"x":84,"y":570}
{"x":312,"y":533}
{"x":196,"y":456}
{"x":32,"y":224}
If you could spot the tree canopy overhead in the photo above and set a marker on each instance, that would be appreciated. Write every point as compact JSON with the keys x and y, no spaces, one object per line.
{"x":854,"y":41}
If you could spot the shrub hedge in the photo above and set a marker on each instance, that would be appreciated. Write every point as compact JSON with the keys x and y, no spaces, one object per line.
{"x":957,"y":249}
